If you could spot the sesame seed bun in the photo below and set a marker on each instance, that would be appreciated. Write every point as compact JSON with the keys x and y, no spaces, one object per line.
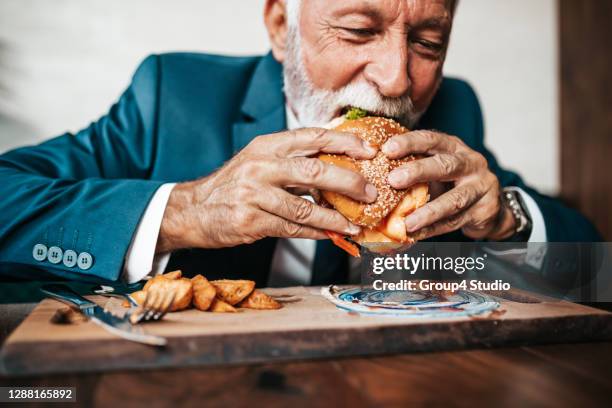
{"x":383,"y":220}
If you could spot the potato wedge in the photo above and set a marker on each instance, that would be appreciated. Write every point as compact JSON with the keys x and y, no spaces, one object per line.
{"x":148,"y":284}
{"x":139,"y":296}
{"x":178,"y":274}
{"x":174,"y":275}
{"x":219,"y":306}
{"x":203,"y":292}
{"x":182,"y":289}
{"x":260,"y":301}
{"x":233,"y":291}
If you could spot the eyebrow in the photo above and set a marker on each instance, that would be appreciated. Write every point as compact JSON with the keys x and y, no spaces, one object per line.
{"x":443,"y":23}
{"x":366,"y":10}
{"x":434,"y":22}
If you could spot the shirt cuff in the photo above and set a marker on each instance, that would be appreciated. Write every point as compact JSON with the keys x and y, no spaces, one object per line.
{"x":538,"y":227}
{"x":140,"y":259}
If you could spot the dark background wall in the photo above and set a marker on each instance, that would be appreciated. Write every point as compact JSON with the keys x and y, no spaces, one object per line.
{"x":586,"y":108}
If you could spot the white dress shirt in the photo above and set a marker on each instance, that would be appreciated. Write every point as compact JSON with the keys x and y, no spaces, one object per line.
{"x":140,"y":259}
{"x":293,"y":257}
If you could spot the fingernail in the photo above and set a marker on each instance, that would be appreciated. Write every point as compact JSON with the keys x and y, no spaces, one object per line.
{"x":390,"y":147}
{"x":353,"y":229}
{"x":395,"y":179}
{"x":412,"y":222}
{"x":370,"y":149}
{"x":371,"y":192}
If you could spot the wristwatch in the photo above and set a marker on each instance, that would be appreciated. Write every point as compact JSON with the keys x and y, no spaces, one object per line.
{"x":512,"y":199}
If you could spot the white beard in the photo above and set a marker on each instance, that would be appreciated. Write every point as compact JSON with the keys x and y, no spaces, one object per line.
{"x":316,"y":107}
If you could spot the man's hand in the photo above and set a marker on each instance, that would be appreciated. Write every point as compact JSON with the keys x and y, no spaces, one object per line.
{"x":473,"y":204}
{"x":249,"y":198}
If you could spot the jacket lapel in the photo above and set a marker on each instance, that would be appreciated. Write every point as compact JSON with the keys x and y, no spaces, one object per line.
{"x":244,"y":132}
{"x":263,"y":107}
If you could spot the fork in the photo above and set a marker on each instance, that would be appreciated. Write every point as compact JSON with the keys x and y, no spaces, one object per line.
{"x":109,"y":291}
{"x":154,"y":307}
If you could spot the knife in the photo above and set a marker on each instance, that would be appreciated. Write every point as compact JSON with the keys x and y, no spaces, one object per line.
{"x":119,"y":326}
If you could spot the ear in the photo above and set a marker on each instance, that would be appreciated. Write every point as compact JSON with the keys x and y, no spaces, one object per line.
{"x":275,"y":19}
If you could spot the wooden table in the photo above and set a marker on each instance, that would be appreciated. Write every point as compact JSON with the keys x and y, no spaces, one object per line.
{"x":310,"y":327}
{"x":573,"y":375}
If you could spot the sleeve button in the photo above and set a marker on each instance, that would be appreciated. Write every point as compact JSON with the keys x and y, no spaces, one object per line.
{"x":39,"y":252}
{"x":55,"y":254}
{"x":70,"y":258}
{"x":85,"y":260}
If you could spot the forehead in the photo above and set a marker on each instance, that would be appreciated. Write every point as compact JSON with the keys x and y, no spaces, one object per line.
{"x":382,"y":11}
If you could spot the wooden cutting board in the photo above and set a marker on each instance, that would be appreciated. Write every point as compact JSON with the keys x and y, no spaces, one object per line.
{"x":310,"y":327}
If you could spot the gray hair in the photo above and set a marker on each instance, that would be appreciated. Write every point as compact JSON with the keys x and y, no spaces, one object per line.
{"x":292,"y":10}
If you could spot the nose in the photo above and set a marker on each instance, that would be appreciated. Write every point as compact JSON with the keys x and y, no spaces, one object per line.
{"x":388,"y":70}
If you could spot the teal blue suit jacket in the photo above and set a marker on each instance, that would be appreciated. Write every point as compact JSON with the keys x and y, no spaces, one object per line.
{"x":181,"y":118}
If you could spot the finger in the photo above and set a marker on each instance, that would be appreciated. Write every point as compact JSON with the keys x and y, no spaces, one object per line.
{"x":313,"y":173}
{"x":437,"y":188}
{"x":481,"y":231}
{"x":273,"y":226}
{"x":441,"y":167}
{"x":485,"y":215}
{"x":447,"y":205}
{"x":303,"y":211}
{"x":310,"y":141}
{"x":300,"y":191}
{"x":445,"y":226}
{"x":420,"y":141}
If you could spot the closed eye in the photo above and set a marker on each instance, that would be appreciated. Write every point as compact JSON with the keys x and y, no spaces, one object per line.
{"x":360,"y":32}
{"x":429,"y":47}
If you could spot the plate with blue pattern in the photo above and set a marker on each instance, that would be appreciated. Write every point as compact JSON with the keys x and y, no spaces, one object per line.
{"x":416,"y":303}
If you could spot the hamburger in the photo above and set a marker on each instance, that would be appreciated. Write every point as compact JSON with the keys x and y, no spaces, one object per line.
{"x":382,"y":221}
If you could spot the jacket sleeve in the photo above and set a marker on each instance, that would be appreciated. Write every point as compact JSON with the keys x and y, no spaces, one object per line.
{"x":83,"y":193}
{"x":563,"y":224}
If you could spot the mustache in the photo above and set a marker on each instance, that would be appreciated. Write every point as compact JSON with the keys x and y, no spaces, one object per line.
{"x":365,"y":96}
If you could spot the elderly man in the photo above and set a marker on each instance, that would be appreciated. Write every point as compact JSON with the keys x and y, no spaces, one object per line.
{"x":193,"y":167}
